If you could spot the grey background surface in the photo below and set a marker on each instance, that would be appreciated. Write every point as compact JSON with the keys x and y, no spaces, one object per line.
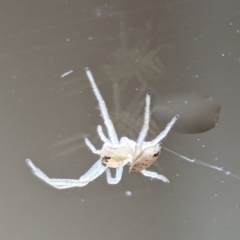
{"x":177,"y":50}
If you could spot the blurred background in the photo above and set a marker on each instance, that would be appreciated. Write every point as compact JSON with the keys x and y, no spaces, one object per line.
{"x":186,"y":53}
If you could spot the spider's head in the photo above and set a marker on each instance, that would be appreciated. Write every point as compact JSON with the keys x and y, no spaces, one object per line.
{"x":145,"y":158}
{"x":115,"y":156}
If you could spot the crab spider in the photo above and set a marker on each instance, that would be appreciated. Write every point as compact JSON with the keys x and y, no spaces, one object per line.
{"x":115,"y":153}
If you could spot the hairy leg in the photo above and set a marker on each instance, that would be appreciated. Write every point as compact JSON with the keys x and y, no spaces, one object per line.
{"x":107,"y":121}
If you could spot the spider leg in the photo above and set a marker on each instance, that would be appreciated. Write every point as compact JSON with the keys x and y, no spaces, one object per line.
{"x":102,"y":135}
{"x":145,"y":127}
{"x":107,"y":121}
{"x":117,"y":178}
{"x":164,"y":133}
{"x":152,"y":175}
{"x":95,"y":171}
{"x":91,"y":147}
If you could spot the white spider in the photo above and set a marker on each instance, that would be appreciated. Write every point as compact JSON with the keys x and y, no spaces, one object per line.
{"x":115,"y":153}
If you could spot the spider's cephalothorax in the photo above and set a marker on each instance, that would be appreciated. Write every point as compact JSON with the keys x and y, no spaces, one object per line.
{"x":145,"y":158}
{"x":114,"y":157}
{"x":115,"y":153}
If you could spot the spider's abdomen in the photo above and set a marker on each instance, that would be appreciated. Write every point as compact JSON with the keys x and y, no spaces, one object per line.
{"x":114,"y":157}
{"x":145,"y":159}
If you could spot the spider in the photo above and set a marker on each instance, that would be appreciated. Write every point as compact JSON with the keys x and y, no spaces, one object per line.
{"x":115,"y":153}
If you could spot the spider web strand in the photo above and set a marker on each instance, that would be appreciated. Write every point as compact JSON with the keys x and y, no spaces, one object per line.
{"x":220,"y":169}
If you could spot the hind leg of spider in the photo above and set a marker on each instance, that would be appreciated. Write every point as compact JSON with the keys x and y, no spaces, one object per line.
{"x":117,"y":178}
{"x":96,"y":170}
{"x":152,"y":175}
